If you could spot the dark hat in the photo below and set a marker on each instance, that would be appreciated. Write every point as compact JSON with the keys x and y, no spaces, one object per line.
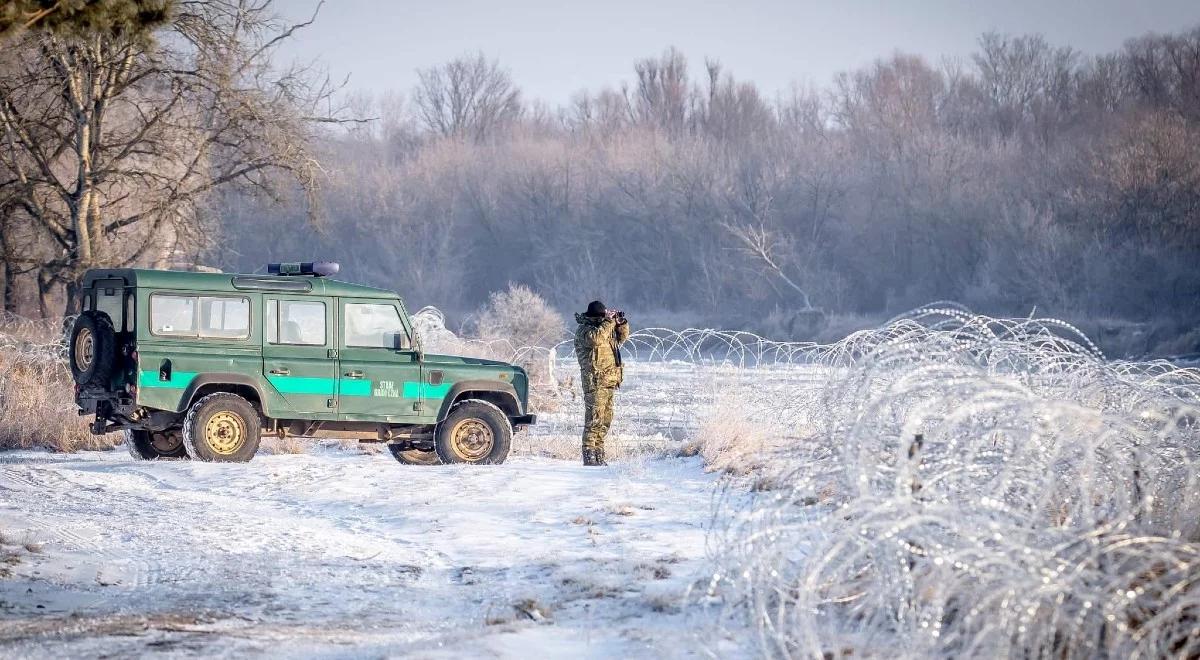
{"x":596,"y":309}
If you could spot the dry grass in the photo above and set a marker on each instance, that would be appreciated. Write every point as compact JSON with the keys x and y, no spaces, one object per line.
{"x":621,"y":447}
{"x":730,"y":441}
{"x":37,"y":407}
{"x":562,"y":447}
{"x":14,"y":549}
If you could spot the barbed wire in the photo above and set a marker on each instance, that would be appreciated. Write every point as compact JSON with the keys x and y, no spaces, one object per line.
{"x":964,"y":485}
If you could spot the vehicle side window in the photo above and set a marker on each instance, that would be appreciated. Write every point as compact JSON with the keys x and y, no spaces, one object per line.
{"x":374,"y":326}
{"x":206,"y":317}
{"x":224,"y":318}
{"x":173,"y":316}
{"x":295,"y":322}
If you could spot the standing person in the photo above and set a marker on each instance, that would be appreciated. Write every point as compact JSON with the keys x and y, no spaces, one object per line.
{"x":598,"y":342}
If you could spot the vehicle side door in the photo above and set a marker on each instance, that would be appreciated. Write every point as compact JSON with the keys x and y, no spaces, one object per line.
{"x":380,"y":377}
{"x":299,"y":353}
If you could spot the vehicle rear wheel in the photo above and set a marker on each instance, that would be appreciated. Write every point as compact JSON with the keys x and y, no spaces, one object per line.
{"x":150,"y":445}
{"x":413,"y":456}
{"x":92,"y":349}
{"x":473,"y":432}
{"x":222,"y":427}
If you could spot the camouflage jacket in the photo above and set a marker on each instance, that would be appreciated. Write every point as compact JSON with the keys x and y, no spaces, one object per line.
{"x":598,"y":347}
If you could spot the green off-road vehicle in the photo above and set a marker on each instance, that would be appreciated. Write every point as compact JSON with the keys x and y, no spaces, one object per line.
{"x":198,"y":365}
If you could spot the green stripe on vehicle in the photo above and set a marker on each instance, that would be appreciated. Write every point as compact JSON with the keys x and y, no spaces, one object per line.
{"x":302,"y":385}
{"x":414,"y":389}
{"x":178,"y":379}
{"x":355,"y":387}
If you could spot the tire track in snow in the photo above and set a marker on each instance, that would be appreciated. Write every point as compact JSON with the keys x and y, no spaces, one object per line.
{"x":53,"y":525}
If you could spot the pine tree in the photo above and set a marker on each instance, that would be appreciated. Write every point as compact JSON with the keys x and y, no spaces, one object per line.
{"x":84,"y":16}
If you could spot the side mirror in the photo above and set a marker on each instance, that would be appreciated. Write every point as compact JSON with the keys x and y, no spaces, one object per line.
{"x":400,"y":342}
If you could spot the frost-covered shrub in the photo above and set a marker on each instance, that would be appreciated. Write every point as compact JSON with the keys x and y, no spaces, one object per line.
{"x":37,"y":407}
{"x":966,"y":486}
{"x":515,"y":326}
{"x":519,"y":317}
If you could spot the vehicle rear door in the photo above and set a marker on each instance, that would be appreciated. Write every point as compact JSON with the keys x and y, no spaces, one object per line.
{"x":380,"y":377}
{"x":299,"y":353}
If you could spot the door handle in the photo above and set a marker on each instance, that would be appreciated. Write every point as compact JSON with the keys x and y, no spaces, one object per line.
{"x":282,"y":371}
{"x":354,"y":374}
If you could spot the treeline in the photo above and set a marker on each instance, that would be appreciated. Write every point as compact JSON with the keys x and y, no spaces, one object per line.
{"x":1027,"y":175}
{"x":1030,"y":175}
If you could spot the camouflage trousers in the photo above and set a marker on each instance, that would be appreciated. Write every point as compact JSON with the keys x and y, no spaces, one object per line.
{"x":597,"y":417}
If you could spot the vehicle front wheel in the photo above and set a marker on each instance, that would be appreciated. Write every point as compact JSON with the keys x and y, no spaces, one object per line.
{"x":413,"y":456}
{"x":222,"y":427}
{"x":473,"y":432}
{"x":149,"y":445}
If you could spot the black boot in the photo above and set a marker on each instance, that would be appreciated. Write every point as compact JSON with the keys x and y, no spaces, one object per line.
{"x":598,"y":456}
{"x":589,"y":456}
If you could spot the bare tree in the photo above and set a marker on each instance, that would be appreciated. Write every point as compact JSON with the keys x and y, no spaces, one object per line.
{"x":114,"y":141}
{"x":764,"y":246}
{"x":1165,"y":69}
{"x":468,"y":97}
{"x":1018,"y":73}
{"x":733,"y":110}
{"x":662,"y":94}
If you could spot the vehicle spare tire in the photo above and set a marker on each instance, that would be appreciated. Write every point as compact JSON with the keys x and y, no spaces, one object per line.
{"x":93,"y":349}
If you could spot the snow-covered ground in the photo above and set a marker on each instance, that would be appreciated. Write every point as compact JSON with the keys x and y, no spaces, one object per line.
{"x":877,"y":472}
{"x":340,"y":553}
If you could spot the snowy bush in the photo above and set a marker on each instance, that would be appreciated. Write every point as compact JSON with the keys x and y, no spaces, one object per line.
{"x":515,"y":326}
{"x":967,"y":486}
{"x":520,"y":317}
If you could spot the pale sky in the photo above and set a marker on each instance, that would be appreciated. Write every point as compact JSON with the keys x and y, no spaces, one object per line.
{"x":555,"y":48}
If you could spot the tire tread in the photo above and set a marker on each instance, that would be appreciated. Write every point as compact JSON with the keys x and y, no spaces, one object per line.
{"x":189,"y":424}
{"x":489,"y":412}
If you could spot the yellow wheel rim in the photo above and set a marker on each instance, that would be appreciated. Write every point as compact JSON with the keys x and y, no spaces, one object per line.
{"x":225,"y":432}
{"x":85,"y":347}
{"x":472,"y":440}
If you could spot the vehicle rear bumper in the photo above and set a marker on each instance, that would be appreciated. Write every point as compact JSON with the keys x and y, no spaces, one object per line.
{"x":524,"y":420}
